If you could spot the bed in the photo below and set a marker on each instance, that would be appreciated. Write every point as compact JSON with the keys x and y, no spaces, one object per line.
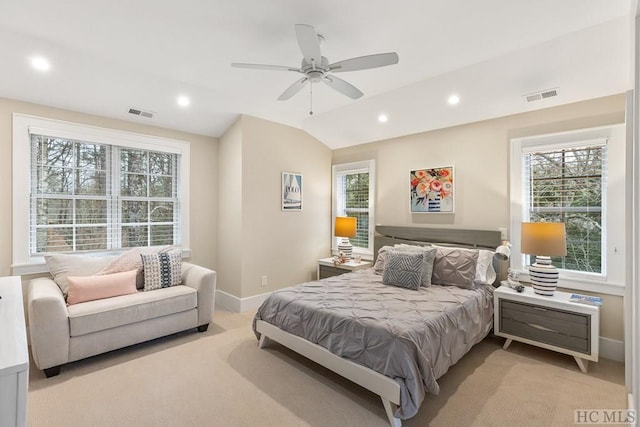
{"x":393,"y":341}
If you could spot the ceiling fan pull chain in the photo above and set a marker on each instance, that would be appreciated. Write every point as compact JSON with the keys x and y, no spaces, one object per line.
{"x":311,"y":98}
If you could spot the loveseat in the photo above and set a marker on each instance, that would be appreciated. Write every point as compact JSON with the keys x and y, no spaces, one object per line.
{"x":61,"y":333}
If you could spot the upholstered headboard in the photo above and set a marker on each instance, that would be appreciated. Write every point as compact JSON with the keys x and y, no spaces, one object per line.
{"x":480,"y":239}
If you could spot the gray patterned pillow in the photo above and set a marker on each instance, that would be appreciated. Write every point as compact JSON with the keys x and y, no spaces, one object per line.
{"x":403,"y":269}
{"x":162,"y":270}
{"x":455,"y":266}
{"x":427,"y":267}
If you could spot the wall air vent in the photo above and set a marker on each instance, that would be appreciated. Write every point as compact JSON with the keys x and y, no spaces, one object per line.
{"x":544,"y":94}
{"x":143,"y":113}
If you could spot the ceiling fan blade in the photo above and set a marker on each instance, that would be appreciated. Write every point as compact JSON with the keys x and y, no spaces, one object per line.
{"x":293,"y":89}
{"x":343,"y":87}
{"x":309,"y":43}
{"x":365,"y":62}
{"x":265,"y":67}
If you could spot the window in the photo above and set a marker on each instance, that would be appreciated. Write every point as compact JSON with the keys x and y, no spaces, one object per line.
{"x":353,"y":195}
{"x":567,"y":184}
{"x":576,"y":177}
{"x":84,"y":189}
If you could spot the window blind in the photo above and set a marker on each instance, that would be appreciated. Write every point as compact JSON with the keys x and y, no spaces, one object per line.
{"x":352,"y":199}
{"x":568,"y":185}
{"x":93,"y":197}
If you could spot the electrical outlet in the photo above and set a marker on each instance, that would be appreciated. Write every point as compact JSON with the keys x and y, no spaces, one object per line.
{"x":264,"y":281}
{"x":503,"y":233}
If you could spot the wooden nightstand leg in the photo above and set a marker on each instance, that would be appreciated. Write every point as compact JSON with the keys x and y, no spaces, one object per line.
{"x":507,"y":343}
{"x":582,"y":364}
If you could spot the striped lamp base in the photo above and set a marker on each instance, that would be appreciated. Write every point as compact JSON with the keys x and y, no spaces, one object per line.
{"x":543,"y":276}
{"x":345,"y":248}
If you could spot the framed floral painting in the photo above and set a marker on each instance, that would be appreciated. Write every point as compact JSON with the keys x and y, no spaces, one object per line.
{"x":432,"y":190}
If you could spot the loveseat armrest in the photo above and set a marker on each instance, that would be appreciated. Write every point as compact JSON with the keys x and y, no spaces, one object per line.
{"x":48,"y":323}
{"x":202,"y":280}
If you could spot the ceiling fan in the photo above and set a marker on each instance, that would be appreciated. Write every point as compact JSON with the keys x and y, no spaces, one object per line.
{"x":316,"y":67}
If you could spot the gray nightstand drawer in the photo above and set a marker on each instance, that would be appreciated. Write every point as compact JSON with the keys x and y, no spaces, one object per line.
{"x":555,"y":327}
{"x":326,"y":271}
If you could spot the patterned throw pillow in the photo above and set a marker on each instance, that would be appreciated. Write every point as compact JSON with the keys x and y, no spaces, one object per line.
{"x":427,"y":267}
{"x":131,"y":260}
{"x":403,"y":269}
{"x":162,"y":270}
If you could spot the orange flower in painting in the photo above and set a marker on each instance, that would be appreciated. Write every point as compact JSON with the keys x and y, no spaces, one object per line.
{"x":422,"y":189}
{"x":421,"y":174}
{"x":414,"y":182}
{"x":444,"y":173}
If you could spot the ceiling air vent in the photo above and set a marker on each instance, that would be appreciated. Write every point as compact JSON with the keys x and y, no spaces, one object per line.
{"x":143,"y":113}
{"x":549,"y":93}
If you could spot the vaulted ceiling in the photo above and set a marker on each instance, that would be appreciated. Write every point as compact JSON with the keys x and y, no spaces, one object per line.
{"x":108,"y":57}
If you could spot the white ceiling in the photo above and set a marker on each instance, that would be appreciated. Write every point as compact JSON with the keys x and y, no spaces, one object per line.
{"x":109,"y":56}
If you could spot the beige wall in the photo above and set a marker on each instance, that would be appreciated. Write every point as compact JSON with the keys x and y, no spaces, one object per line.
{"x":479,"y":152}
{"x":284,"y":246}
{"x":203,"y":177}
{"x":230,"y":210}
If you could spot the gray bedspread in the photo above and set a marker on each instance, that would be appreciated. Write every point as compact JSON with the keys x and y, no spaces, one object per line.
{"x":411,"y":336}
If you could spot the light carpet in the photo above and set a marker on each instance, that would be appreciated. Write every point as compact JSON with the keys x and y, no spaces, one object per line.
{"x":221,"y":378}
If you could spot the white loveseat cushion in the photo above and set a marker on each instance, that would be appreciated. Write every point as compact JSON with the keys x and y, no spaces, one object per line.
{"x":98,"y":315}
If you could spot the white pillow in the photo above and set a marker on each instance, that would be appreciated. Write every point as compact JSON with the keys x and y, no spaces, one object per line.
{"x":63,"y":265}
{"x":485,"y":273}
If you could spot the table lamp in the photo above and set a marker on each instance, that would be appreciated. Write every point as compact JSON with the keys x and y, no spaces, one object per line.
{"x":503,"y":252}
{"x":544,"y":240}
{"x":345,"y":227}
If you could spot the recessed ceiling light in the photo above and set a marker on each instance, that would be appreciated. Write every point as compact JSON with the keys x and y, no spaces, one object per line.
{"x":453,"y":99}
{"x":183,"y":101}
{"x":40,"y":63}
{"x":382,"y":118}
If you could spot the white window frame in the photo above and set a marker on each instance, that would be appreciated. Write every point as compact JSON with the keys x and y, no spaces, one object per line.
{"x":25,"y":125}
{"x":594,"y":282}
{"x":370,"y":167}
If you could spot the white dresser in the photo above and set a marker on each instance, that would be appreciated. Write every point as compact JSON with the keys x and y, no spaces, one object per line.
{"x":14,"y":355}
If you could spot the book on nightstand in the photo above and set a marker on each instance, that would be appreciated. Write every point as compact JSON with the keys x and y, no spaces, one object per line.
{"x":585,"y":299}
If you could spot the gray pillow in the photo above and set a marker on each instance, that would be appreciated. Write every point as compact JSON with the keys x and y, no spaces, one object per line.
{"x":63,"y":265}
{"x":378,"y":267}
{"x":454,"y":266}
{"x":403,"y":269}
{"x":427,"y":267}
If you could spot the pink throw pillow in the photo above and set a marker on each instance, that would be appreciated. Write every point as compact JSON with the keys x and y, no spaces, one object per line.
{"x":89,"y":288}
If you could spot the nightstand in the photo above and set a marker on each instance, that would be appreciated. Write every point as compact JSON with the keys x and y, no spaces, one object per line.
{"x":326,"y":267}
{"x":551,"y":322}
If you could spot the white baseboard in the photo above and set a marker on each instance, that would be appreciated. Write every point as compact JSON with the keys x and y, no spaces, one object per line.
{"x":612,"y":349}
{"x":239,"y":305}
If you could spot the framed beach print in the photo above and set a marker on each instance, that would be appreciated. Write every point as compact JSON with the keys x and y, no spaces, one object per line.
{"x":291,"y":191}
{"x":432,"y":190}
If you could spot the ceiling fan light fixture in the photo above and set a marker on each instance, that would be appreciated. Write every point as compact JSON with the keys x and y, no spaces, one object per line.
{"x":317,"y":68}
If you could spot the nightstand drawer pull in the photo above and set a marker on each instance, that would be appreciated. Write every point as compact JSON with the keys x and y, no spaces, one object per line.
{"x":542,"y":328}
